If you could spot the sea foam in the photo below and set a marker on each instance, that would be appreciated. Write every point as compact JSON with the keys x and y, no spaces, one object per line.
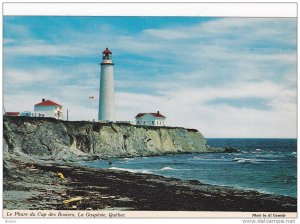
{"x":131,"y":170}
{"x":167,"y":168}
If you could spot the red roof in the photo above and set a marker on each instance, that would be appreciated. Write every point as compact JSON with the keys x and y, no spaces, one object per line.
{"x":153,"y":114}
{"x":47,"y":103}
{"x":12,"y":113}
{"x":107,"y":51}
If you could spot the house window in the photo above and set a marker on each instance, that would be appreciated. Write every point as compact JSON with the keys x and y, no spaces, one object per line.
{"x":153,"y":122}
{"x":138,"y":122}
{"x":144,"y":122}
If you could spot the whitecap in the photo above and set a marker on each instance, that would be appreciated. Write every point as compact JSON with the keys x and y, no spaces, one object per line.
{"x":128,"y":159}
{"x":167,"y":168}
{"x":237,"y":159}
{"x":257,"y":151}
{"x":254,"y":161}
{"x":268,"y":160}
{"x":195,"y":158}
{"x":210,"y":159}
{"x":294,"y":154}
{"x":245,"y":160}
{"x":131,"y":170}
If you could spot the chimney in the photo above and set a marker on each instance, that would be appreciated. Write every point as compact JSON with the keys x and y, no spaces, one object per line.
{"x":43,"y":100}
{"x":158,"y":112}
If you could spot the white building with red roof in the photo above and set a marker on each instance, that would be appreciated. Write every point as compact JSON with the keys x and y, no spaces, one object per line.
{"x":48,"y":108}
{"x":150,"y":119}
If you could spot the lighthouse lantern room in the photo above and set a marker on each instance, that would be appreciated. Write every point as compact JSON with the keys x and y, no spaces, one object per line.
{"x":107,"y":58}
{"x":106,"y":94}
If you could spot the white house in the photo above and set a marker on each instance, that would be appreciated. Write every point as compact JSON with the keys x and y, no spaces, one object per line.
{"x":48,"y":108}
{"x":151,"y":119}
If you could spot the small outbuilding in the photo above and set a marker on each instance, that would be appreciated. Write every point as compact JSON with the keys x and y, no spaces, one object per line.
{"x":150,"y":119}
{"x":26,"y":114}
{"x":14,"y":114}
{"x":48,"y":108}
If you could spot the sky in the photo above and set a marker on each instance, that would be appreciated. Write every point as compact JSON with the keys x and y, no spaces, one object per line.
{"x":226,"y":77}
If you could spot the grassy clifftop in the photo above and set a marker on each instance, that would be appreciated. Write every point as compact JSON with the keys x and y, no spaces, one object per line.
{"x":49,"y":138}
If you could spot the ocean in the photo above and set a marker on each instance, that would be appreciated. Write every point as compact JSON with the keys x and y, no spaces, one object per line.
{"x":264,"y":165}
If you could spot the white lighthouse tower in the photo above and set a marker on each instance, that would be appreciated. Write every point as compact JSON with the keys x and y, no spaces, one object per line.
{"x":107,"y":95}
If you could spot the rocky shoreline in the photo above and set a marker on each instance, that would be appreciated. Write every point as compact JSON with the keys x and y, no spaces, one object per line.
{"x":47,"y":186}
{"x":41,"y":173}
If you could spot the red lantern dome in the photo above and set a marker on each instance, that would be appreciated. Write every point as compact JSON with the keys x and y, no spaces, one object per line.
{"x":106,"y":51}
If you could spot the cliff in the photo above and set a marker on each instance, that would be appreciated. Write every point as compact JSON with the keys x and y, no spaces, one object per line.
{"x":37,"y":176}
{"x":48,"y":138}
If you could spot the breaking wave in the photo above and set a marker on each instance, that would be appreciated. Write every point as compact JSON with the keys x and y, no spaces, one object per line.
{"x":167,"y":168}
{"x":131,"y":170}
{"x":208,"y":159}
{"x":254,"y":161}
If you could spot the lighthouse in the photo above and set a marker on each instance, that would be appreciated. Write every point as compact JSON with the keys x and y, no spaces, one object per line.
{"x":107,"y":95}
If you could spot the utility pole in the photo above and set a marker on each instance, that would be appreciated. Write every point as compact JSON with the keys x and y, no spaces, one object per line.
{"x":3,"y":109}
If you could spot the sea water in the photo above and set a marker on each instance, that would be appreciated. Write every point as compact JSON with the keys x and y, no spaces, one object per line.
{"x":264,"y":165}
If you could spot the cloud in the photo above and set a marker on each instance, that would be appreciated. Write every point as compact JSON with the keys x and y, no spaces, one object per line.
{"x":12,"y":30}
{"x":21,"y":77}
{"x":43,"y":49}
{"x":245,"y":110}
{"x":186,"y":111}
{"x":167,"y":34}
{"x":8,"y":41}
{"x":20,"y":102}
{"x":228,"y":77}
{"x":247,"y":102}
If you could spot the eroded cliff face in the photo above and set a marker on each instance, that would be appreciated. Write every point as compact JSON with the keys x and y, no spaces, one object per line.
{"x":48,"y":138}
